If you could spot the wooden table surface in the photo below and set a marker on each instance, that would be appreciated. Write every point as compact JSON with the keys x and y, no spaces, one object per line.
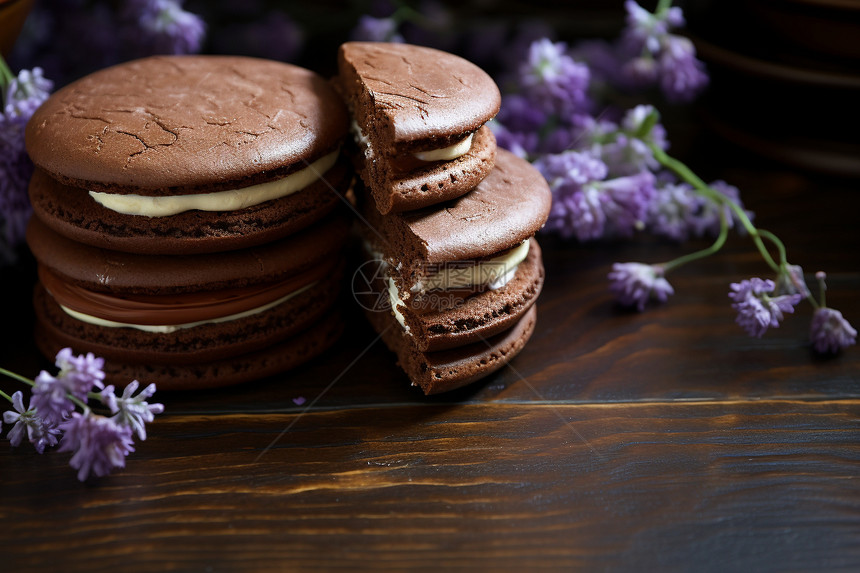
{"x":666,"y":440}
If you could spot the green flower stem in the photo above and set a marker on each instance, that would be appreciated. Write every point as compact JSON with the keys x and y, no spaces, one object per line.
{"x":17,"y":377}
{"x":716,"y":246}
{"x":756,"y":234}
{"x":5,"y":395}
{"x":662,"y":6}
{"x":31,"y":383}
{"x":6,"y":74}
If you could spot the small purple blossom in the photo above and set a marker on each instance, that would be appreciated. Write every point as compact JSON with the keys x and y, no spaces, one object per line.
{"x":99,"y":444}
{"x":20,"y":98}
{"x":674,"y":207}
{"x":168,"y":29}
{"x":830,"y":332}
{"x":648,"y":54}
{"x":50,"y":399}
{"x":80,"y":373}
{"x":588,"y":206}
{"x":27,"y":420}
{"x":370,"y":29}
{"x":790,"y":281}
{"x":299,"y":400}
{"x":130,"y":410}
{"x":634,"y":284}
{"x":757,"y":310}
{"x":553,"y":80}
{"x":707,"y":220}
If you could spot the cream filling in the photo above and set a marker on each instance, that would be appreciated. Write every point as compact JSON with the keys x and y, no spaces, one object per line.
{"x":444,"y":154}
{"x":447,"y":153}
{"x":168,"y":328}
{"x":395,"y":301}
{"x":231,"y":200}
{"x":495,"y":272}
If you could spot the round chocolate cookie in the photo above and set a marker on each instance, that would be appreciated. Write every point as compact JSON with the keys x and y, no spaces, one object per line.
{"x":225,"y":151}
{"x":510,"y":205}
{"x":466,"y":319}
{"x":418,"y":121}
{"x":187,"y":313}
{"x":446,"y":370}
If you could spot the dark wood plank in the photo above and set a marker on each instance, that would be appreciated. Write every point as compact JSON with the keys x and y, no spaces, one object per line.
{"x":707,"y":486}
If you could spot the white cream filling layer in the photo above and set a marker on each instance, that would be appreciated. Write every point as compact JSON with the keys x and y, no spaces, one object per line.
{"x":495,"y":272}
{"x":447,"y":153}
{"x":395,"y":302}
{"x":168,"y":328}
{"x":444,"y":154}
{"x":231,"y":200}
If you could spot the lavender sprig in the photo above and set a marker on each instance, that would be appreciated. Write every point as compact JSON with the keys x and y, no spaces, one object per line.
{"x":98,"y":443}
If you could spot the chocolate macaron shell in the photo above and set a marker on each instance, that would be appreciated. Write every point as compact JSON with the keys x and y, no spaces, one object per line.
{"x":446,"y":370}
{"x":415,"y":92}
{"x":434,"y":183}
{"x":104,"y":270}
{"x":210,"y":341}
{"x":191,"y":124}
{"x":510,"y":205}
{"x":481,"y":316}
{"x":269,"y":361}
{"x":71,"y":212}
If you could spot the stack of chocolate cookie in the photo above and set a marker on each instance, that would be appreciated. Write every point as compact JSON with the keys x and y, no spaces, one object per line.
{"x":450,"y":219}
{"x":187,"y":223}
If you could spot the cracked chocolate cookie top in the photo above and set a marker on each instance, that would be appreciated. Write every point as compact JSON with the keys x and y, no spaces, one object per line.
{"x":416,"y":93}
{"x":170,"y":124}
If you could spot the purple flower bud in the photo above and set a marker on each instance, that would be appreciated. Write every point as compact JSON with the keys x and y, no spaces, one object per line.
{"x":554,"y":80}
{"x":634,"y":284}
{"x":830,"y":332}
{"x":40,"y":434}
{"x":99,"y":444}
{"x":370,"y":29}
{"x":682,"y":75}
{"x":50,"y":399}
{"x":757,"y":310}
{"x":134,"y":411}
{"x":168,"y":29}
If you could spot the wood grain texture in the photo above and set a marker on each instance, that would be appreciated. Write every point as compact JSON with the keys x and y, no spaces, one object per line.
{"x":660,"y":441}
{"x":768,"y":485}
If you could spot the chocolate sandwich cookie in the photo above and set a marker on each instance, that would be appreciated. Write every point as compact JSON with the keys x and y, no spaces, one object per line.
{"x":461,"y":273}
{"x":164,"y":314}
{"x":418,"y":121}
{"x":188,"y":154}
{"x":446,"y":370}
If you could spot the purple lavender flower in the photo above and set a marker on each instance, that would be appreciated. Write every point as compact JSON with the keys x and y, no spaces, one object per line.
{"x":575,"y":207}
{"x":674,"y":207}
{"x":50,"y":399}
{"x":520,"y":143}
{"x":707,"y":220}
{"x":757,"y":310}
{"x":132,"y":411}
{"x":168,"y":28}
{"x":790,"y":281}
{"x":80,"y":373}
{"x":634,"y":284}
{"x":552,"y":79}
{"x":370,"y":29}
{"x":99,"y":444}
{"x":588,"y":206}
{"x":830,"y":332}
{"x":21,"y":97}
{"x":682,"y":75}
{"x":648,"y":53}
{"x":40,"y":434}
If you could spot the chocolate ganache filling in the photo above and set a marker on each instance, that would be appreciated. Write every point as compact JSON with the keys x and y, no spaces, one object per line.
{"x":175,"y":309}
